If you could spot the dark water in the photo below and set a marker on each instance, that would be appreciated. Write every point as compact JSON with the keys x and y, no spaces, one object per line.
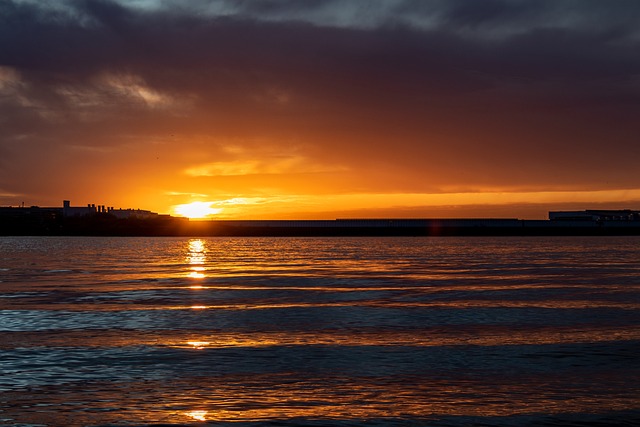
{"x":320,"y":331}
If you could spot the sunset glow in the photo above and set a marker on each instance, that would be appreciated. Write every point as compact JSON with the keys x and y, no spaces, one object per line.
{"x":322,"y":110}
{"x":196,"y":210}
{"x":319,"y":212}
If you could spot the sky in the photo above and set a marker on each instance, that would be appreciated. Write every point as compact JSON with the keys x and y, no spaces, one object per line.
{"x":322,"y":108}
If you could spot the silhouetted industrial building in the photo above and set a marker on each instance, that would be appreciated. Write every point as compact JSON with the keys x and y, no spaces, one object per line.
{"x":595,"y":215}
{"x":132,"y":213}
{"x":68,"y":210}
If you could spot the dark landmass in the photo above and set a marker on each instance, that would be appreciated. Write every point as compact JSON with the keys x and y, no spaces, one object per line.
{"x":36,"y":221}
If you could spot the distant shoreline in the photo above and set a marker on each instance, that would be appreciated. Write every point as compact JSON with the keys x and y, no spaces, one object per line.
{"x":103,"y":224}
{"x":101,"y":220}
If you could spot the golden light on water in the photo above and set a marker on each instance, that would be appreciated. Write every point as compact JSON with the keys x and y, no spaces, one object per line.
{"x":196,"y":257}
{"x":198,"y":415}
{"x":198,"y":344}
{"x":196,"y":251}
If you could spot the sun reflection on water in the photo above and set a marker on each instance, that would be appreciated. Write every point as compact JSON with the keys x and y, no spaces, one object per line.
{"x":196,"y":257}
{"x":197,"y":415}
{"x":198,"y":345}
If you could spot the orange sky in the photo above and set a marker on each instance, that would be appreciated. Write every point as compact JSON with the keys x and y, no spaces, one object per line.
{"x":321,"y":109}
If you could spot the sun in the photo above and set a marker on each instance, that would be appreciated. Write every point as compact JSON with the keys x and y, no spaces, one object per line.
{"x":196,"y":210}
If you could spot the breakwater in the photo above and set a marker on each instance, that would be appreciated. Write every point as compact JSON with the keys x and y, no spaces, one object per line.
{"x":104,"y":224}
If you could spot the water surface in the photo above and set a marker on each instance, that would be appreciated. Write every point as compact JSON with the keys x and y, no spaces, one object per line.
{"x":319,"y":331}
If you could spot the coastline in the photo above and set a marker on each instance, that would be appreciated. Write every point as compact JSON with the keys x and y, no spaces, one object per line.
{"x":106,"y":225}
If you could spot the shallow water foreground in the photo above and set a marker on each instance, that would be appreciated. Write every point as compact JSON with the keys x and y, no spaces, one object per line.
{"x":319,"y":331}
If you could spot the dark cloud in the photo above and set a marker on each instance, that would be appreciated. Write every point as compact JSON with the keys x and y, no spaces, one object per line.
{"x":490,"y":12}
{"x":438,"y":94}
{"x":261,"y":7}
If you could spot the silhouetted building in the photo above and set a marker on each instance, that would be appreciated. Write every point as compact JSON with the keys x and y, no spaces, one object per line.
{"x":595,"y":215}
{"x":9,"y":212}
{"x":131,"y":213}
{"x":68,"y":210}
{"x":90,"y":209}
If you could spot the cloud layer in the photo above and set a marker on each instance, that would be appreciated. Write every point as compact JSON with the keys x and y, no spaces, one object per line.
{"x":280,"y":98}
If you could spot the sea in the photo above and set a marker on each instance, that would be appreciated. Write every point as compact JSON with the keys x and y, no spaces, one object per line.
{"x":385,"y":331}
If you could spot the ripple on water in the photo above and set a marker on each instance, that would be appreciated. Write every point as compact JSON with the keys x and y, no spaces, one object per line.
{"x":351,"y":332}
